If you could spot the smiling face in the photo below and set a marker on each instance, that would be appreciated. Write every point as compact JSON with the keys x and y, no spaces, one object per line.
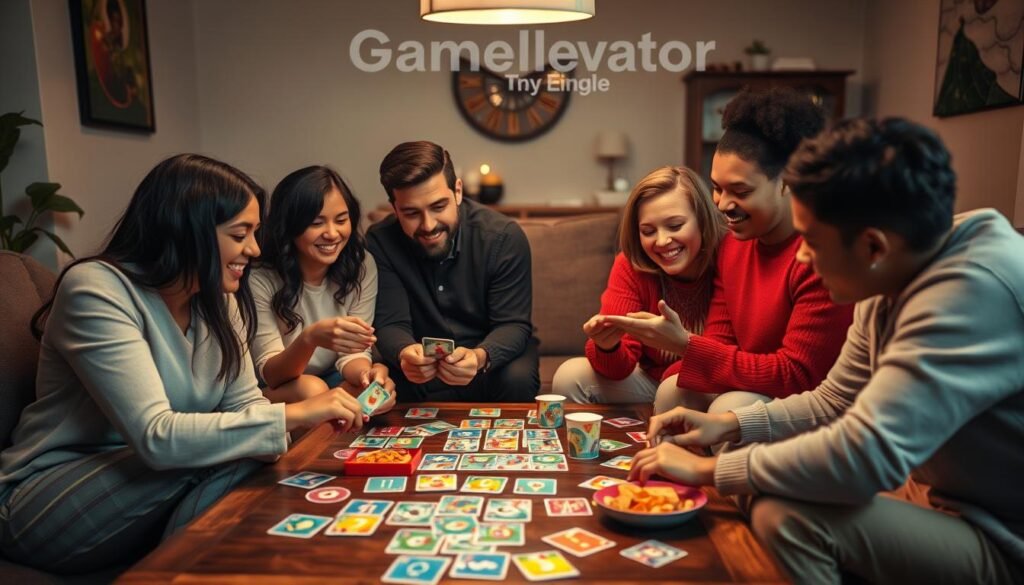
{"x":236,"y":240}
{"x":319,"y":246}
{"x":429,"y":214}
{"x":754,"y":205}
{"x":670,"y":234}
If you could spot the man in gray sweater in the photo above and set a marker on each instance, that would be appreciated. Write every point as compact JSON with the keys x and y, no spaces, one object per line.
{"x":930,"y":382}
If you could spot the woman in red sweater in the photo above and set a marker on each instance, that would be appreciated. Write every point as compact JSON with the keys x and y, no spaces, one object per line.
{"x":771,"y":329}
{"x":668,"y":236}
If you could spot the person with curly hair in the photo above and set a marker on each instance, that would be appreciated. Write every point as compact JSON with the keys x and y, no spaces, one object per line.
{"x":315,"y":292}
{"x":771,"y":329}
{"x":930,"y":381}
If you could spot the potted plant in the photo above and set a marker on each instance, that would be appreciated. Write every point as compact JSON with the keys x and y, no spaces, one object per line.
{"x":758,"y":53}
{"x":43,"y":196}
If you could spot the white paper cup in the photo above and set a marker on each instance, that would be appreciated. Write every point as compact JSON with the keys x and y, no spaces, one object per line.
{"x":583,"y":431}
{"x":550,"y":410}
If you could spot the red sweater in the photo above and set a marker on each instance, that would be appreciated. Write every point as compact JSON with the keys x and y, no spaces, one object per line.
{"x":771,"y":327}
{"x":630,"y":291}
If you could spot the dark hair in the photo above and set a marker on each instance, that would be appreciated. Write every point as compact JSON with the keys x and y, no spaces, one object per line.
{"x":891,"y":174}
{"x":295,"y":203}
{"x":411,"y":163}
{"x":765,"y":127}
{"x":168,"y":236}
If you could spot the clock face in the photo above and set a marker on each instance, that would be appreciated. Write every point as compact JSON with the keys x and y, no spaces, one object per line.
{"x":511,"y":109}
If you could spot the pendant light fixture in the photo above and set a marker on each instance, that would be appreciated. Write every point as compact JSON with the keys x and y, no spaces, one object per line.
{"x":514,"y":12}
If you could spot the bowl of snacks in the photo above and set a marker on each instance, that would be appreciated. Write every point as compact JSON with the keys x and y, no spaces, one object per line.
{"x":389,"y":461}
{"x":655,"y":504}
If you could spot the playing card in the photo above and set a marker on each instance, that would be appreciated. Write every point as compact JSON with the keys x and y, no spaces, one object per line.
{"x":491,"y":566}
{"x":421,"y":413}
{"x":416,"y":570}
{"x":441,"y":482}
{"x":548,"y":462}
{"x":638,"y":436}
{"x":535,"y":486}
{"x":465,"y":434}
{"x":306,"y":480}
{"x":533,"y":434}
{"x":412,"y":514}
{"x":512,"y":462}
{"x":492,"y":412}
{"x":371,"y":398}
{"x":437,"y":426}
{"x":611,"y":445}
{"x":510,"y":423}
{"x":328,"y":495}
{"x":600,"y":482}
{"x":438,"y":462}
{"x":360,"y":506}
{"x":623,"y":421}
{"x":373,"y":442}
{"x":414,"y":541}
{"x":501,"y":534}
{"x":544,"y":446}
{"x":508,"y":510}
{"x":460,"y":543}
{"x":462,"y":445}
{"x":454,"y":524}
{"x":567,"y":507}
{"x":383,"y":485}
{"x":478,"y":461}
{"x":502,"y":434}
{"x":579,"y":542}
{"x":459,"y":505}
{"x":544,"y":566}
{"x":384,"y":432}
{"x":406,"y":442}
{"x":653,"y":553}
{"x":478,"y":484}
{"x":623,"y":462}
{"x":437,"y":347}
{"x":475,"y":423}
{"x":501,"y":445}
{"x":354,"y":525}
{"x":300,"y":526}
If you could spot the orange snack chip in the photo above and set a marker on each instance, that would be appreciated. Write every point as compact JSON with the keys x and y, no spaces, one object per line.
{"x":651,"y":500}
{"x":384,"y":456}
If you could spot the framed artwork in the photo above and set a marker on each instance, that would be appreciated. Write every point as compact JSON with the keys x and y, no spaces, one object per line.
{"x":978,"y":66}
{"x":115,"y":84}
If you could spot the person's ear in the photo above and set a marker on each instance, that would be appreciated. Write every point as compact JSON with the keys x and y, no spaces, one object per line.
{"x":458,"y":191}
{"x":875,"y":246}
{"x":784,"y":190}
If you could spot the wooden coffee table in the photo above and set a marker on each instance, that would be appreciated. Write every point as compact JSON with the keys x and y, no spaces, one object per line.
{"x":229,"y":542}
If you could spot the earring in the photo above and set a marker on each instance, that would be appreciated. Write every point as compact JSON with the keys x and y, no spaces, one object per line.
{"x":874,"y":266}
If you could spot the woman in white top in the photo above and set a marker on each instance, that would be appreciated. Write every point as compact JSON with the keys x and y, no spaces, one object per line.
{"x":315,"y":292}
{"x":147,"y":409}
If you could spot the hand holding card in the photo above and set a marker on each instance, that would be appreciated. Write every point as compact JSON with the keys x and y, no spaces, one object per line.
{"x":373,"y":398}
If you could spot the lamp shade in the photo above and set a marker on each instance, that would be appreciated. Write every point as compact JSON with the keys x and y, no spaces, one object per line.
{"x":516,"y":12}
{"x":611,"y":144}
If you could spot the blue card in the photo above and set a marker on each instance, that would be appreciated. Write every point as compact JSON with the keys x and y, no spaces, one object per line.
{"x":535,"y":486}
{"x":416,"y":570}
{"x":360,"y":506}
{"x":382,"y":485}
{"x":300,"y":526}
{"x":492,"y":566}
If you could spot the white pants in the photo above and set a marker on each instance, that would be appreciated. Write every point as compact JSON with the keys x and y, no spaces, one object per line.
{"x":578,"y":382}
{"x":670,"y":396}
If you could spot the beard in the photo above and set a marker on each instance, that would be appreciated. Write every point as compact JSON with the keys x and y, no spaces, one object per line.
{"x":444,"y":245}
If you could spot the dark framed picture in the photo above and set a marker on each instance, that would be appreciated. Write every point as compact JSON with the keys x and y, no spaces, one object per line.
{"x":115,"y":83}
{"x":978,"y":65}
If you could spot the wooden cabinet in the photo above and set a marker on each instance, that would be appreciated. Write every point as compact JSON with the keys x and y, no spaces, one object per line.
{"x":707,"y":92}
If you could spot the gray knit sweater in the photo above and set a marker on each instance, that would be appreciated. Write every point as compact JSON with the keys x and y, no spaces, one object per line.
{"x":930,"y":383}
{"x":116,"y":370}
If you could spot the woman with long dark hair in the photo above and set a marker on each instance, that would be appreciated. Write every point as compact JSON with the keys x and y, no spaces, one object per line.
{"x":315,"y":292}
{"x":147,"y":408}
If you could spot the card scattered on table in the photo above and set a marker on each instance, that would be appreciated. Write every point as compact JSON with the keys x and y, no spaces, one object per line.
{"x":307,"y":480}
{"x":475,"y":423}
{"x":460,"y":543}
{"x":611,"y":445}
{"x":544,"y":566}
{"x":421,"y":413}
{"x":460,"y":524}
{"x":384,"y":485}
{"x":535,"y":486}
{"x":438,"y":462}
{"x":623,"y":462}
{"x":405,"y":442}
{"x":567,"y":507}
{"x":460,"y":505}
{"x":623,"y":421}
{"x":508,"y":510}
{"x":361,"y":506}
{"x":501,"y":534}
{"x":384,"y":431}
{"x":491,"y":566}
{"x":437,"y":482}
{"x":414,"y":541}
{"x":372,"y":442}
{"x":479,"y":484}
{"x":599,"y":482}
{"x":579,"y":542}
{"x":653,"y":553}
{"x":412,"y":514}
{"x":354,"y":525}
{"x":510,"y":423}
{"x":478,"y":461}
{"x":492,"y":412}
{"x":300,"y":526}
{"x":416,"y":570}
{"x":638,"y":436}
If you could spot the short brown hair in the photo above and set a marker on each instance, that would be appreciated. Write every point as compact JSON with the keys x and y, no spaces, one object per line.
{"x":659,"y":182}
{"x":411,"y":163}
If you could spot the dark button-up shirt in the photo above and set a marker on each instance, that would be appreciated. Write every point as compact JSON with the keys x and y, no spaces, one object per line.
{"x":480,"y":295}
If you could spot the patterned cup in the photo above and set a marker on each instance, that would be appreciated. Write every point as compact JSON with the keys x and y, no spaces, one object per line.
{"x":550,"y":411}
{"x":583,"y":430}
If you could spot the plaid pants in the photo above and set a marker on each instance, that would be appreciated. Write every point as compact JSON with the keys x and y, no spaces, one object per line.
{"x":105,"y":509}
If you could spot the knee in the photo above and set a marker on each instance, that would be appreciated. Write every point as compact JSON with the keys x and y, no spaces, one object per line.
{"x":518,"y":381}
{"x":668,"y":395}
{"x":779,"y":524}
{"x":572,"y":379}
{"x":733,"y":400}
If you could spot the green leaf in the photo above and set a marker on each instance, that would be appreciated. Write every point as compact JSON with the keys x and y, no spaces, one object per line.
{"x":62,"y":204}
{"x":23,"y":240}
{"x":9,"y":134}
{"x":56,"y":240}
{"x":40,"y":194}
{"x":9,"y":221}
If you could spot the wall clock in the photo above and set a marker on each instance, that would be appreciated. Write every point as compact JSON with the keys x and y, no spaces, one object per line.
{"x":510,"y":110}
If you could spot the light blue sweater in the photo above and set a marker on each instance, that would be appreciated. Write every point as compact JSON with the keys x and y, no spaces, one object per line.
{"x":116,"y":370}
{"x":930,"y":383}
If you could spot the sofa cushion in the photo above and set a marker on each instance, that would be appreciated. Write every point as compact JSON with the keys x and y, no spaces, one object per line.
{"x":571,"y":260}
{"x":26,"y":283}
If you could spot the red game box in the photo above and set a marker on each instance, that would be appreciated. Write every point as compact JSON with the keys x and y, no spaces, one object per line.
{"x":356,"y":465}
